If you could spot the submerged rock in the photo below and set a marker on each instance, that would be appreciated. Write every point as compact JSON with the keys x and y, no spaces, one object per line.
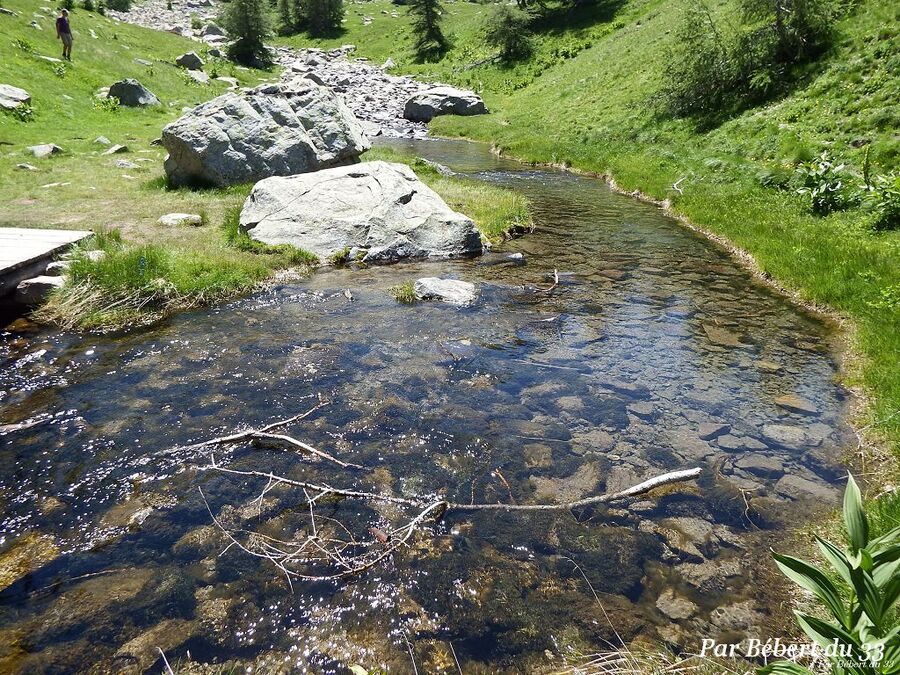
{"x":380,"y":208}
{"x":675,"y":606}
{"x":24,"y":556}
{"x":137,"y":655}
{"x":426,"y":105}
{"x":273,"y":130}
{"x":452,"y":291}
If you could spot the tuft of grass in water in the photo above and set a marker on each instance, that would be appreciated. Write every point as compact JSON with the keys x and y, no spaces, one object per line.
{"x":237,"y":238}
{"x":499,"y":213}
{"x":404,"y":293}
{"x":340,"y":257}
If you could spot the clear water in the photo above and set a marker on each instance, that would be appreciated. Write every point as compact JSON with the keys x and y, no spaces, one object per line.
{"x":607,"y":380}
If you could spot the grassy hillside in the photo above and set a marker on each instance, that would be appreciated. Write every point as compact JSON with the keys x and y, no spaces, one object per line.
{"x":589,"y":98}
{"x":150,"y":270}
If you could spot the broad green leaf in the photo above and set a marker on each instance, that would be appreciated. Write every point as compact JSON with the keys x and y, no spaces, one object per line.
{"x":867,"y":594}
{"x":823,"y":633}
{"x":854,"y":516}
{"x":783,"y":668}
{"x":887,"y":538}
{"x":888,"y":554}
{"x":836,"y":557}
{"x":813,"y":580}
{"x":890,"y":593}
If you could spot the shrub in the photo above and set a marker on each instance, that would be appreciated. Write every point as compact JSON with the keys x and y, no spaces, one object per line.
{"x":821,"y":182}
{"x":320,"y":17}
{"x":507,"y":29}
{"x":287,"y":23}
{"x":430,"y":43}
{"x":119,"y":5}
{"x":88,"y":5}
{"x":405,"y":293}
{"x":713,"y":70}
{"x":67,"y":4}
{"x":196,"y":22}
{"x":101,"y":8}
{"x":248,"y":22}
{"x":882,"y":196}
{"x":861,"y":627}
{"x":107,"y":103}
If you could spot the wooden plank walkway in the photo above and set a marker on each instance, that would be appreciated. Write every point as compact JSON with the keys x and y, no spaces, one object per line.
{"x":25,"y":252}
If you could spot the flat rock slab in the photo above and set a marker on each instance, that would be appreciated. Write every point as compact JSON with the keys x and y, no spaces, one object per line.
{"x":453,"y":291}
{"x":35,"y":291}
{"x":180,"y":219}
{"x":44,"y":150}
{"x":380,"y":209}
{"x":24,"y":248}
{"x":12,"y":97}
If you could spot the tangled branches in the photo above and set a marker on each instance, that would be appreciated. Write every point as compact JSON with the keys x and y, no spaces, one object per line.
{"x":325,"y":549}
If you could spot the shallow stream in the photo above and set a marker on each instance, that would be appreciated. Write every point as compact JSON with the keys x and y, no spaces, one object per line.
{"x":655,"y":352}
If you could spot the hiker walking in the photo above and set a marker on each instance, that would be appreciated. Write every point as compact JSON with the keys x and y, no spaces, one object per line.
{"x":64,"y":33}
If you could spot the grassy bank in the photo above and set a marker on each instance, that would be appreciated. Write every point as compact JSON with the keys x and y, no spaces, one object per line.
{"x":588,"y":98}
{"x":149,"y":270}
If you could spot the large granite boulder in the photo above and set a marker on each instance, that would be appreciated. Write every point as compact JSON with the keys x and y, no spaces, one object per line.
{"x":426,"y":105}
{"x":274,"y":130}
{"x":132,"y":93}
{"x":379,"y":211}
{"x":12,"y":97}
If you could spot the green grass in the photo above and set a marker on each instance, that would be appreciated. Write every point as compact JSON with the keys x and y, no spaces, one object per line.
{"x":150,"y":270}
{"x":499,"y":213}
{"x":405,"y":293}
{"x":588,"y":99}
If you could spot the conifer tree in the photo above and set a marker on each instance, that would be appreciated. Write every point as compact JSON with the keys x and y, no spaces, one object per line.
{"x":248,"y":22}
{"x":430,"y":42}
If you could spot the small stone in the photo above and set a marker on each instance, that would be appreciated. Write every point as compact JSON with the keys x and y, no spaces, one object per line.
{"x":675,"y":606}
{"x":785,"y":436}
{"x":132,"y":93}
{"x":190,"y":61}
{"x":181,"y":219}
{"x":711,"y":430}
{"x":26,"y":555}
{"x":125,"y":164}
{"x":452,"y":291}
{"x":198,"y":76}
{"x":27,"y":167}
{"x":796,"y":404}
{"x":740,"y":443}
{"x":537,"y":456}
{"x":57,"y":268}
{"x":719,"y":336}
{"x":761,"y":465}
{"x":797,"y":487}
{"x":769,"y":367}
{"x":34,"y":291}
{"x":102,"y":140}
{"x":643,"y":410}
{"x":44,"y":150}
{"x":116,"y":149}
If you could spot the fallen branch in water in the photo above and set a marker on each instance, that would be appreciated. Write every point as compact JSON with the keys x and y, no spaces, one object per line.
{"x":333,"y":552}
{"x":264,"y":433}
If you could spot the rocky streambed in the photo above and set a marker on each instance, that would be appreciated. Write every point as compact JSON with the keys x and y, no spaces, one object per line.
{"x":653,"y":352}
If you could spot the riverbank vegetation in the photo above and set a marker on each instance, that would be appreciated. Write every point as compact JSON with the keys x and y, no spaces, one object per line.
{"x":595,"y":92}
{"x":149,"y":270}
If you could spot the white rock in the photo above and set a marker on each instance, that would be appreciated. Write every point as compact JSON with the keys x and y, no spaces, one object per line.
{"x":180,"y":219}
{"x":35,"y":291}
{"x":452,"y":291}
{"x":12,"y":97}
{"x":44,"y":150}
{"x":380,"y":207}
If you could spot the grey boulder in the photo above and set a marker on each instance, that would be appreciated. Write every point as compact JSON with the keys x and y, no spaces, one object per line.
{"x":12,"y":97}
{"x":379,"y":208}
{"x":190,"y":61}
{"x":35,"y":291}
{"x":211,"y":29}
{"x":452,"y":291}
{"x":132,"y":93}
{"x":426,"y":105}
{"x":274,"y":130}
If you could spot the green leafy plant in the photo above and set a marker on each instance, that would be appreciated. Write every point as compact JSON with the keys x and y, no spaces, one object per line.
{"x":60,"y":70}
{"x":882,"y":197}
{"x":119,"y":5}
{"x":404,"y":293}
{"x":821,"y":181}
{"x":862,"y":632}
{"x":107,"y":103}
{"x":24,"y":45}
{"x":22,"y":112}
{"x":88,"y":5}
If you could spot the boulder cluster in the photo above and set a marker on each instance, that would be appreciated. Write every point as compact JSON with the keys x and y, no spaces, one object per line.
{"x":300,"y":143}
